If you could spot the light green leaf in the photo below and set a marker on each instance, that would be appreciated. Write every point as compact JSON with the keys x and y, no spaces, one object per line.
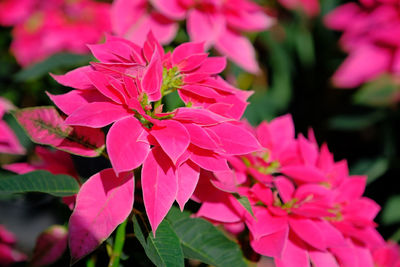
{"x":202,"y":241}
{"x":40,"y":181}
{"x":379,"y":92}
{"x":164,"y":249}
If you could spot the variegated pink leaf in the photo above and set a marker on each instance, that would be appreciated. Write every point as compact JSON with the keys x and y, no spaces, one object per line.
{"x":45,"y":126}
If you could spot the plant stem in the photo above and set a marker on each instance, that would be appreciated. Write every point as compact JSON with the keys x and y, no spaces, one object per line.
{"x":118,"y":245}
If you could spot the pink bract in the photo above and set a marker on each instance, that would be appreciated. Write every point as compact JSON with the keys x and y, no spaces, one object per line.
{"x":307,"y":208}
{"x":370,"y":31}
{"x":216,"y":23}
{"x":49,"y":27}
{"x":8,"y":255}
{"x":9,"y":142}
{"x":126,"y":88}
{"x":310,"y":7}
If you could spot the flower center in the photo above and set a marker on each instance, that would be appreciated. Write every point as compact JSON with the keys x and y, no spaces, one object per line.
{"x":172,"y":80}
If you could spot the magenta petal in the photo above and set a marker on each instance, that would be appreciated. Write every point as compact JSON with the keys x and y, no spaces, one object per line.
{"x":355,"y":70}
{"x":200,"y":137}
{"x":271,"y":245}
{"x":239,"y":49}
{"x":103,"y":202}
{"x":159,"y":185}
{"x":304,"y":173}
{"x":309,"y":232}
{"x":172,"y":137}
{"x":103,"y":83}
{"x":207,"y":159}
{"x":323,"y":259}
{"x":212,"y":65}
{"x":125,"y":149}
{"x":76,"y":78}
{"x":234,"y":139}
{"x":75,"y":99}
{"x":170,"y":8}
{"x":285,"y":188}
{"x":97,"y":114}
{"x":152,"y":78}
{"x":186,"y":50}
{"x":294,"y":255}
{"x":204,"y":26}
{"x":264,"y":223}
{"x":199,"y":116}
{"x":188,"y":176}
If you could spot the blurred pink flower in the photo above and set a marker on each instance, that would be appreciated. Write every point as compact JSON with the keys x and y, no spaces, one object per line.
{"x":8,"y":255}
{"x":43,"y":28}
{"x":310,"y":7}
{"x":216,"y":23}
{"x":8,"y":140}
{"x":371,"y":31}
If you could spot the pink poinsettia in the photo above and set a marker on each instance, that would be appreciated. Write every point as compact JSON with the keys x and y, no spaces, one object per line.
{"x":370,"y":32}
{"x":49,"y":27}
{"x":8,"y":140}
{"x":8,"y":255}
{"x":306,"y":208}
{"x":310,"y":7}
{"x":216,"y":23}
{"x":126,"y":89}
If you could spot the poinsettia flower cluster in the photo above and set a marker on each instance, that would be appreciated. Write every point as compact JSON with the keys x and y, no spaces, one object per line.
{"x":370,"y":34}
{"x":305,"y":207}
{"x":48,"y":27}
{"x":125,"y":89}
{"x":8,"y":255}
{"x":8,"y":140}
{"x":310,"y":7}
{"x":217,"y":23}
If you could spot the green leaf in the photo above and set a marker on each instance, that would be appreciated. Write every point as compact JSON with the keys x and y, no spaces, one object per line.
{"x":40,"y":181}
{"x":391,"y":211}
{"x":202,"y":241}
{"x":379,"y":92}
{"x":61,"y":60}
{"x":373,"y":168}
{"x":164,"y":249}
{"x":244,"y":201}
{"x":355,"y":122}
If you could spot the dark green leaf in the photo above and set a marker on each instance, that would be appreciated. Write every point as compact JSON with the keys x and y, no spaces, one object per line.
{"x":164,"y":249}
{"x":40,"y":181}
{"x":61,"y":60}
{"x":355,"y":122}
{"x":202,"y":241}
{"x":391,"y":211}
{"x":373,"y":168}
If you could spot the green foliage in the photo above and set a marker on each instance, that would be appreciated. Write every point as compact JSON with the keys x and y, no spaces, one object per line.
{"x":391,"y":211}
{"x":57,"y":61}
{"x":380,"y":92}
{"x":164,"y":250}
{"x":40,"y":181}
{"x":200,"y":240}
{"x":373,"y":168}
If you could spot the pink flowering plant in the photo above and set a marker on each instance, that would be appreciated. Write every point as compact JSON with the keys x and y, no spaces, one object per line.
{"x":151,"y":149}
